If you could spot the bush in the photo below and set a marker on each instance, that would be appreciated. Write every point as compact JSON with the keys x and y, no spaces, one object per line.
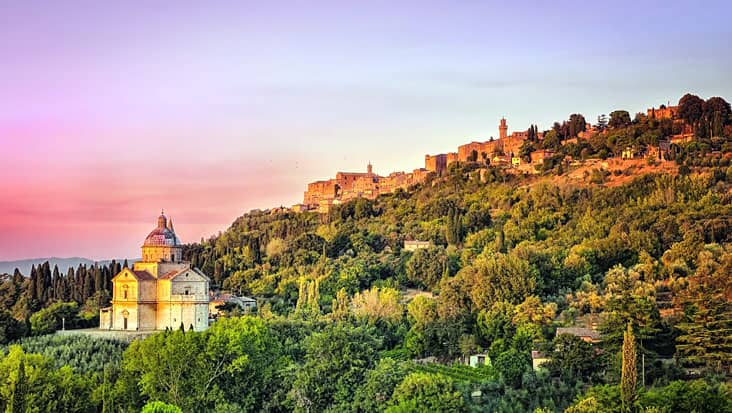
{"x":53,"y":317}
{"x":160,"y":407}
{"x":10,"y":328}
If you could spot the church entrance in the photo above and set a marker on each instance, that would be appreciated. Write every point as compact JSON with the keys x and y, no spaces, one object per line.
{"x":125,"y":314}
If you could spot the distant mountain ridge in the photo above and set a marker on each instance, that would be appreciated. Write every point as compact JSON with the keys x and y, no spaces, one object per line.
{"x":63,"y":263}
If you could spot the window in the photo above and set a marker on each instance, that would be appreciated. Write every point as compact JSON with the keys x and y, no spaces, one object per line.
{"x":172,"y":257}
{"x":125,"y":290}
{"x":186,"y":292}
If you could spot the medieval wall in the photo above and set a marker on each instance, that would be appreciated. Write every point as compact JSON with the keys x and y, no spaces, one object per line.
{"x":435,"y":163}
{"x":663,"y":112}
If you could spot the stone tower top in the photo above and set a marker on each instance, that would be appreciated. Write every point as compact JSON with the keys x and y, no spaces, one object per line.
{"x":162,"y":220}
{"x":502,"y":129}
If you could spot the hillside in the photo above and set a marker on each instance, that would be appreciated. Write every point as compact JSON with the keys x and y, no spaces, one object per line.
{"x":555,"y":282}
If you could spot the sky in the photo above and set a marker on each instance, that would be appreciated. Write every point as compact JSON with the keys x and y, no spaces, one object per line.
{"x":112,"y":111}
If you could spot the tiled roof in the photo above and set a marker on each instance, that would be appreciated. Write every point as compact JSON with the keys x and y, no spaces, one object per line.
{"x":170,"y":274}
{"x":143,"y":276}
{"x":579,"y":332}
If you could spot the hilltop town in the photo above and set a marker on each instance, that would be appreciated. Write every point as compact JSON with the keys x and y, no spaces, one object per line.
{"x":521,"y":152}
{"x":494,"y":277}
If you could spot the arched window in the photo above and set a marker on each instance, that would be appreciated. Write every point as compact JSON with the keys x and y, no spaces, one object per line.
{"x":125,"y":291}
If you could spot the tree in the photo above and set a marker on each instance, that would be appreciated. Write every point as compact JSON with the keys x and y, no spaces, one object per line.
{"x":378,"y":304}
{"x":234,"y":361}
{"x":619,"y":119}
{"x":16,"y":401}
{"x":716,"y":112}
{"x":161,"y":407}
{"x":336,"y":362}
{"x":35,"y":385}
{"x":52,"y":318}
{"x":532,"y":311}
{"x":426,"y":392}
{"x":473,"y":156}
{"x":376,"y":391}
{"x":628,"y":298}
{"x":577,"y":124}
{"x":308,"y":299}
{"x":601,"y":122}
{"x":629,"y":373}
{"x":571,"y":358}
{"x":512,"y":365}
{"x":500,"y":277}
{"x":551,"y":140}
{"x":454,"y":227}
{"x":691,"y":109}
{"x":496,"y":322}
{"x":10,"y":328}
{"x":705,"y":338}
{"x":426,"y":265}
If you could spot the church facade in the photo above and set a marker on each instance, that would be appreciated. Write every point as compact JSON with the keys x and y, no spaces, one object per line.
{"x":159,"y":292}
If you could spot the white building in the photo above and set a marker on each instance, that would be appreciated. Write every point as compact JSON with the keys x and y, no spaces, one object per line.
{"x":159,"y":292}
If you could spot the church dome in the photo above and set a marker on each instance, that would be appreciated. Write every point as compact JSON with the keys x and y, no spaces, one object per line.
{"x":163,"y":235}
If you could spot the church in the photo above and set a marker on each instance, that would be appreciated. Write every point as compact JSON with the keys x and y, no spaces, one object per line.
{"x":159,"y":292}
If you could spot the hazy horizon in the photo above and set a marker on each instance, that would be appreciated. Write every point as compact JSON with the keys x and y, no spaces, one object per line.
{"x":112,"y":112}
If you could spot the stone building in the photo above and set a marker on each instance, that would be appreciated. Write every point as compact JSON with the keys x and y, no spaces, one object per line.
{"x":481,"y":151}
{"x":435,"y":163}
{"x":322,"y":195}
{"x":159,"y":292}
{"x":663,"y":112}
{"x":410,"y":245}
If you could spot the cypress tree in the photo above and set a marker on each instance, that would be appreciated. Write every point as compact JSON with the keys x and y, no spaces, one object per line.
{"x":16,"y":401}
{"x":88,"y":290}
{"x":500,"y":244}
{"x":56,"y":282}
{"x":17,"y":284}
{"x":69,"y":284}
{"x":98,"y":283}
{"x":45,"y":292}
{"x":629,"y":373}
{"x":18,"y":277}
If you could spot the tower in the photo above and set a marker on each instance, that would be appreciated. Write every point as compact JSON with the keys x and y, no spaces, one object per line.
{"x":502,"y":129}
{"x":369,"y":169}
{"x":162,"y":245}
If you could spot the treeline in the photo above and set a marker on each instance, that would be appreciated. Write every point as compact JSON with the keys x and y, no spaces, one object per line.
{"x":76,"y":296}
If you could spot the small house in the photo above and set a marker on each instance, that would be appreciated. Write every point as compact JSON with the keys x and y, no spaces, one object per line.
{"x":416,"y":245}
{"x":538,"y":359}
{"x":480,"y":359}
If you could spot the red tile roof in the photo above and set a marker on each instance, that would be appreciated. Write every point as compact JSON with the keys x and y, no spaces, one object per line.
{"x":170,"y":274}
{"x":143,"y":276}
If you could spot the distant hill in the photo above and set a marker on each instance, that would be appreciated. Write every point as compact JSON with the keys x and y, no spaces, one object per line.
{"x":63,"y":263}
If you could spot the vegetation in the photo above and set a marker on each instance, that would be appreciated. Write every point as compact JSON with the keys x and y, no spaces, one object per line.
{"x":350,"y":321}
